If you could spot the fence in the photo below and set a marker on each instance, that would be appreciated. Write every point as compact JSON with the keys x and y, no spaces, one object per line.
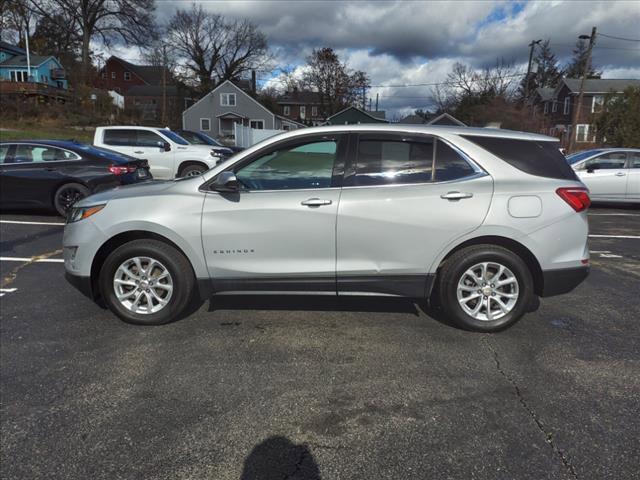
{"x":246,"y":137}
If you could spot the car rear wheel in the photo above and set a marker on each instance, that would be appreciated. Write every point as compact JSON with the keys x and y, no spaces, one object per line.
{"x":67,"y":195}
{"x":192,"y":170}
{"x":147,"y":282}
{"x":485,"y":288}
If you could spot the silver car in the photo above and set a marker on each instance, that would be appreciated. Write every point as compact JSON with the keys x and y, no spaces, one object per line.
{"x":478,"y":221}
{"x":611,"y":174}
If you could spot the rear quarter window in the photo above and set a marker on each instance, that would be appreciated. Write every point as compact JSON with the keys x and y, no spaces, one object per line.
{"x":535,"y":157}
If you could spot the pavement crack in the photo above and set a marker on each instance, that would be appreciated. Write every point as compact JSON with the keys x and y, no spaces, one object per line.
{"x":534,"y":416}
{"x":11,"y":276}
{"x":298,"y":466}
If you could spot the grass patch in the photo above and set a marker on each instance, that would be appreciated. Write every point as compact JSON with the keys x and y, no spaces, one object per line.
{"x":44,"y":132}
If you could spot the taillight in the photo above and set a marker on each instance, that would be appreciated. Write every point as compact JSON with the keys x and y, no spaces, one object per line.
{"x":576,"y":197}
{"x":121,"y":170}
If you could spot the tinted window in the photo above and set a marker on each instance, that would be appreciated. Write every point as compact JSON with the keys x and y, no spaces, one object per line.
{"x":147,"y":138}
{"x":40,"y":153}
{"x":4,"y":151}
{"x":305,"y":166}
{"x":535,"y":157}
{"x":382,"y":162}
{"x":120,"y":137}
{"x":192,"y":138}
{"x":450,"y":165}
{"x":634,"y":159}
{"x":607,"y":161}
{"x":174,"y":137}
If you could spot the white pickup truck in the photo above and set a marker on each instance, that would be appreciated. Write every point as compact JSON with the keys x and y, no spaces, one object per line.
{"x":168,"y":154}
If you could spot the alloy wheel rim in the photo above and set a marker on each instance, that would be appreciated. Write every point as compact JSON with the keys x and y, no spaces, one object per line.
{"x":143,"y":285}
{"x":194,"y":173}
{"x":487,"y":291}
{"x":68,"y":197}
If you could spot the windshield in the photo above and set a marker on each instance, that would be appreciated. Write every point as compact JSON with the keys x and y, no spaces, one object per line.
{"x":576,"y":157}
{"x":206,"y":138}
{"x":173,"y":136}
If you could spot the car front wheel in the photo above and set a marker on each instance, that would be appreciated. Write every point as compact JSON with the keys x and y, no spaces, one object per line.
{"x":147,"y":282}
{"x":67,"y":195}
{"x":485,"y":288}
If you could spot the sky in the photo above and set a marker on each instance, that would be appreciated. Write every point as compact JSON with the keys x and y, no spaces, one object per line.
{"x":418,"y":42}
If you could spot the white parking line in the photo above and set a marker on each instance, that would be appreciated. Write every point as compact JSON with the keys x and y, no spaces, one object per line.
{"x":31,"y":223}
{"x":615,"y":236}
{"x":27,"y":259}
{"x":4,"y":291}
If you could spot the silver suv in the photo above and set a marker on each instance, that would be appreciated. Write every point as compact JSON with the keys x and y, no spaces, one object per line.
{"x":478,"y":220}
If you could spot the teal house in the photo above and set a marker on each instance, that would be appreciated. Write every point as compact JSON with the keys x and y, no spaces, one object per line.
{"x":41,"y":69}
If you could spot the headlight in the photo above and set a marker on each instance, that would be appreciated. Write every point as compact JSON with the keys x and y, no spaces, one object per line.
{"x":215,"y":153}
{"x":76,"y":214}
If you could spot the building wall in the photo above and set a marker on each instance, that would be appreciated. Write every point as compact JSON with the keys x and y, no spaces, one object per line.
{"x":209,"y":107}
{"x":294,"y":113}
{"x":119,"y":84}
{"x":41,"y":74}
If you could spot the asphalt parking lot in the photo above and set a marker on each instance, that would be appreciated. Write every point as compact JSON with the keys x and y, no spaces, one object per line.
{"x":307,"y":388}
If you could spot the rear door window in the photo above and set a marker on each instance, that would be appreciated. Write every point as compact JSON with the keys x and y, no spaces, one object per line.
{"x":535,"y":157}
{"x":120,"y":137}
{"x":4,"y":153}
{"x":147,"y":138}
{"x":450,"y":165}
{"x":41,"y":153}
{"x":606,"y":161}
{"x":634,"y":159}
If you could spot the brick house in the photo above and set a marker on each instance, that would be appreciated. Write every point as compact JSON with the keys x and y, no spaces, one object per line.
{"x":302,"y":106}
{"x":555,"y":107}
{"x":143,"y":89}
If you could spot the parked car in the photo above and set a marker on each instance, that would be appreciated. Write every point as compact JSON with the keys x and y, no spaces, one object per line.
{"x":611,"y":174}
{"x":484,"y":218}
{"x":169,"y":155}
{"x":200,"y":138}
{"x":56,"y":174}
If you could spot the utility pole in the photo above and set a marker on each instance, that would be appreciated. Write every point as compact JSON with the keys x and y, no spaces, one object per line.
{"x":164,"y":86}
{"x":376,"y":102}
{"x":532,"y":47}
{"x":576,"y":111}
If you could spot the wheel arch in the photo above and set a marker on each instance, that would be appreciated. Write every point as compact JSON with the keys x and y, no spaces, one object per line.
{"x":187,"y":163}
{"x":127,"y":236}
{"x":512,"y":245}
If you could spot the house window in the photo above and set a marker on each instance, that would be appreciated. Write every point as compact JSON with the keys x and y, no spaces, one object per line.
{"x":19,"y":76}
{"x":286,"y":110}
{"x":314,"y":111}
{"x":546,"y":107}
{"x":205,"y":125}
{"x":597,"y":103}
{"x":228,"y":99}
{"x":303,"y":111}
{"x":113,"y":75}
{"x":567,"y":103}
{"x":257,"y":124}
{"x":554,"y":106}
{"x":127,"y":76}
{"x":286,"y":128}
{"x":583,"y":133}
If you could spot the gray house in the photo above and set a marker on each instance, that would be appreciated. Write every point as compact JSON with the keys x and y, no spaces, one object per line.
{"x":218,"y":111}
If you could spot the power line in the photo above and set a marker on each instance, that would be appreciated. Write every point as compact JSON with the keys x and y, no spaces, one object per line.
{"x":619,"y":38}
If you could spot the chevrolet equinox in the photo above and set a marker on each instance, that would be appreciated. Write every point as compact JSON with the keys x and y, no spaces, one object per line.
{"x":478,"y":220}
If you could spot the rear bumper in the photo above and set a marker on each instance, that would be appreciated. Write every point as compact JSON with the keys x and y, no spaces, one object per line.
{"x":557,"y":282}
{"x":83,"y":284}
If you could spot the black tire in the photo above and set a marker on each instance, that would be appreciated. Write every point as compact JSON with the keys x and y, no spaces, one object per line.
{"x":67,"y":195}
{"x":175,"y":262}
{"x":193,"y":169}
{"x":452,"y":272}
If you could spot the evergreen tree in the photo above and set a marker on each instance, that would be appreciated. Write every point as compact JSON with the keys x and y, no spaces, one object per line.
{"x":576,"y":65}
{"x":548,"y":73}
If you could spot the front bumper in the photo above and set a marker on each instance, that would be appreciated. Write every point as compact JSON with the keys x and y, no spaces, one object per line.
{"x":83,"y":284}
{"x":557,"y":282}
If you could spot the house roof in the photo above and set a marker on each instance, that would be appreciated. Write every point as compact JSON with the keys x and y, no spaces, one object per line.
{"x":150,"y":74}
{"x":21,"y":61}
{"x":379,"y":114}
{"x":446,"y":119}
{"x":12,"y":49}
{"x":545,"y":93}
{"x":288,"y":120}
{"x":299,"y":98}
{"x":600,"y":85}
{"x":368,"y":114}
{"x":152,"y":91}
{"x":413,"y":119}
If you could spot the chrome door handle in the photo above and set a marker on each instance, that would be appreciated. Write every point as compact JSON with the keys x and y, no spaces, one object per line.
{"x":138,"y":151}
{"x":456,"y":195}
{"x":620,"y":174}
{"x":315,"y":202}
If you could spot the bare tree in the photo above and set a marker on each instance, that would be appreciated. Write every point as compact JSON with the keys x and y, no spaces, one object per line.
{"x":108,"y":20}
{"x":214,"y":49}
{"x":16,"y":20}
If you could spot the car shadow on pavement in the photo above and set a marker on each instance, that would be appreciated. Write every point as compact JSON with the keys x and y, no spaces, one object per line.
{"x":276,"y":458}
{"x":313,"y":303}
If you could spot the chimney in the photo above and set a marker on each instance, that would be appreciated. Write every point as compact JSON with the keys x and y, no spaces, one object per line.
{"x":253,"y":81}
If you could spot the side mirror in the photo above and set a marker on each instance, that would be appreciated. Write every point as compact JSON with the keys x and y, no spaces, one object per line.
{"x":226,"y":182}
{"x":166,"y":146}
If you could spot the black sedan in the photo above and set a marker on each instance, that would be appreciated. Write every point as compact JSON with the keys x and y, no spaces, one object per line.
{"x":56,"y":174}
{"x":199,"y":138}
